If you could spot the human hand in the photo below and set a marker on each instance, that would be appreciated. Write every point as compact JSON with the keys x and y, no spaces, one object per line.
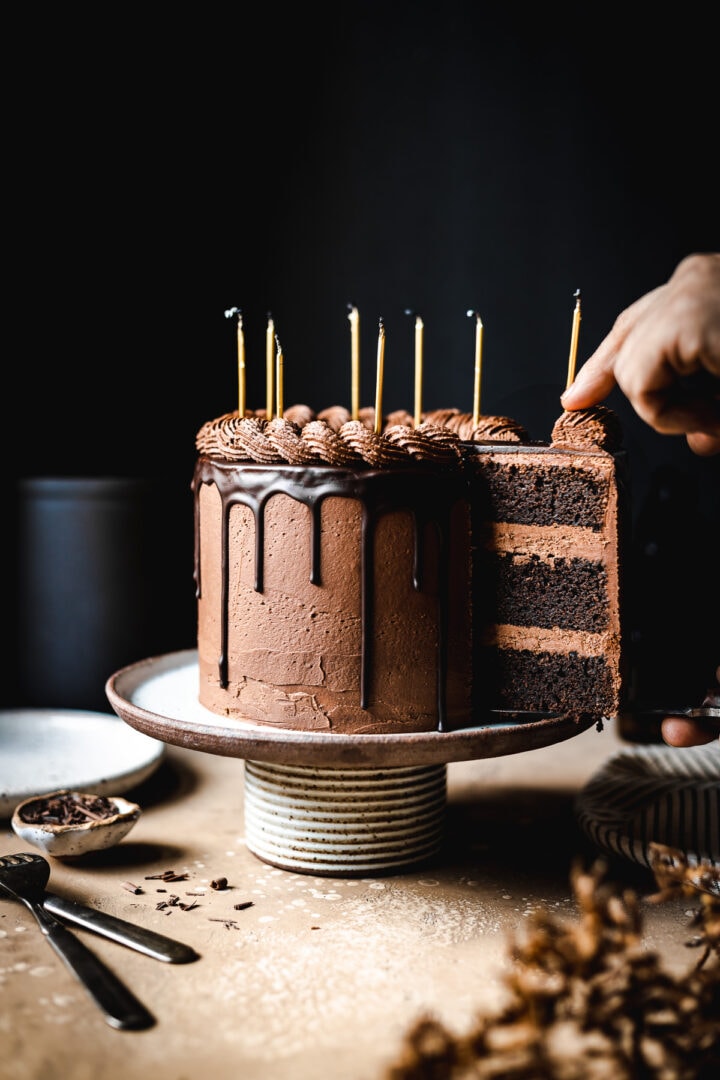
{"x":682,"y":731}
{"x":664,"y":353}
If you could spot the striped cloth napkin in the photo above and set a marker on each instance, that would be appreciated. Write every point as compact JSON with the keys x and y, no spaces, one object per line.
{"x":656,"y":794}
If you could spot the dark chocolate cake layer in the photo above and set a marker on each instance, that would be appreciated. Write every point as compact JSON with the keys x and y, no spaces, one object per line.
{"x":546,"y":579}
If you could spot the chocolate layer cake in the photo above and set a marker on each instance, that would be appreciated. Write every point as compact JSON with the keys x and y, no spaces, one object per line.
{"x":411,"y":580}
{"x":333,"y":575}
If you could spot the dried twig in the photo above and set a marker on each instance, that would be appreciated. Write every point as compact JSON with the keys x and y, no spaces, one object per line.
{"x":587,"y":1001}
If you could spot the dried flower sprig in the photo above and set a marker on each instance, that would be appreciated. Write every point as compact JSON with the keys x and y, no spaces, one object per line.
{"x":587,"y":1001}
{"x":676,"y":877}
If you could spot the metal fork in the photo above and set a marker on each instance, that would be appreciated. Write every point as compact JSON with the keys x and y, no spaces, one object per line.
{"x":23,"y":878}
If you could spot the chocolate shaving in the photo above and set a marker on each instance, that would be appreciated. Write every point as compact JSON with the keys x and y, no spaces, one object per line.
{"x":68,"y":808}
{"x":175,"y":901}
{"x":167,"y":875}
{"x":219,"y":883}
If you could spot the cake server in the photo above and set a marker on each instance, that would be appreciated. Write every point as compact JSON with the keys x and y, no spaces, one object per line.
{"x":699,"y":712}
{"x":709,"y":710}
{"x":23,"y":877}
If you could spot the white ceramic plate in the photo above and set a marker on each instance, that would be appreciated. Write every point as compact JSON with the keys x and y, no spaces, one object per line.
{"x":44,"y":750}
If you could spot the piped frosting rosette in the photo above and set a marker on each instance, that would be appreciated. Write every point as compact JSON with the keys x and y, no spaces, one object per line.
{"x":488,"y":428}
{"x":428,"y":441}
{"x":286,"y":437}
{"x":596,"y":428}
{"x":317,"y":441}
{"x":327,"y":445}
{"x":237,"y":438}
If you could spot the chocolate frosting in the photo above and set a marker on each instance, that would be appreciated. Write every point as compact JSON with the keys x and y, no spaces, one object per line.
{"x":596,"y":428}
{"x":320,"y":441}
{"x":488,"y":428}
{"x":331,"y":437}
{"x":428,"y":495}
{"x":498,"y":429}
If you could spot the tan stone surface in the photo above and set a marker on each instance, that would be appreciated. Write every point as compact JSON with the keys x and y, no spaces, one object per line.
{"x":320,"y":976}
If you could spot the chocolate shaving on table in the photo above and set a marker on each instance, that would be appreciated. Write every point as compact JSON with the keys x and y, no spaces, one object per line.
{"x":175,"y":901}
{"x":167,"y":875}
{"x":130,"y":886}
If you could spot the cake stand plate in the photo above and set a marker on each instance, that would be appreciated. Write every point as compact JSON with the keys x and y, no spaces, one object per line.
{"x":159,"y":697}
{"x":323,"y":803}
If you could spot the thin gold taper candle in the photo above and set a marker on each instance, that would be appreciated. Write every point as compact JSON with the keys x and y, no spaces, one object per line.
{"x":574,"y":339}
{"x":419,"y":326}
{"x":354,"y":319}
{"x":269,"y":366}
{"x":379,"y":377}
{"x":279,"y":378}
{"x":240,"y":357}
{"x":478,"y":367}
{"x":241,"y":366}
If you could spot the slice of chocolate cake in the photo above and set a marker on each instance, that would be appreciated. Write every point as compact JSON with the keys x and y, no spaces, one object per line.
{"x":546,"y":601}
{"x":419,"y":579}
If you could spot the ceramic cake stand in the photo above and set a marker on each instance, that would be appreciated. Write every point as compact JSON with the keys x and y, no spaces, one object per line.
{"x":320,"y":803}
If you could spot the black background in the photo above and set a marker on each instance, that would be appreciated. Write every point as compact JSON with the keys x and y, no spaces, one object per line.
{"x":430,"y":156}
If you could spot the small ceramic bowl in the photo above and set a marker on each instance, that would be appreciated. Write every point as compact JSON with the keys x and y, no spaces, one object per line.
{"x":69,"y":823}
